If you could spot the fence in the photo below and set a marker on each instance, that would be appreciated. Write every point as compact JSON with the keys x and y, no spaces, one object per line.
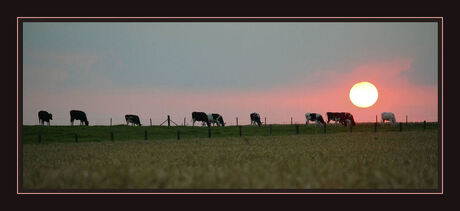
{"x":123,"y":133}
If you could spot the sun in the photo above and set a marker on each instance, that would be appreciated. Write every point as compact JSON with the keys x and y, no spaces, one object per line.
{"x":363,"y":94}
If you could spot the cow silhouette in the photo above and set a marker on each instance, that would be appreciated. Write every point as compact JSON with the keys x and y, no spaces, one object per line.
{"x":78,"y":115}
{"x":43,"y":117}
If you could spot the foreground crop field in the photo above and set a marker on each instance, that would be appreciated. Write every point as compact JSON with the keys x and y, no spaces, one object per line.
{"x":364,"y":160}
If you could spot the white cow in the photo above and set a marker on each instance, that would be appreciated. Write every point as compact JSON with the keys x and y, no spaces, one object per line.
{"x":389,"y":116}
{"x":314,"y":117}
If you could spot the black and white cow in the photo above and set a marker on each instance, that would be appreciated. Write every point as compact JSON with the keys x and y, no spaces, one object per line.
{"x":43,"y":117}
{"x":78,"y":115}
{"x":389,"y":116}
{"x":314,"y":117}
{"x":216,"y":119}
{"x":255,"y":119}
{"x":134,"y":119}
{"x":200,"y":117}
{"x":342,"y":117}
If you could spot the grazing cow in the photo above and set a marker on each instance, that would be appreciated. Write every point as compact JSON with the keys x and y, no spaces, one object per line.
{"x":43,"y":117}
{"x":134,"y":119}
{"x":78,"y":115}
{"x":200,"y":117}
{"x":334,"y":116}
{"x":389,"y":116}
{"x":342,"y":117}
{"x":255,"y":118}
{"x":314,"y":117}
{"x":216,"y":118}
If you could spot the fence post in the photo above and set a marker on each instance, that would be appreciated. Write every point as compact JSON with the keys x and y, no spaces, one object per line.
{"x":39,"y":138}
{"x":111,"y":136}
{"x":184,"y":121}
{"x":76,"y":138}
{"x":236,"y":121}
{"x":265,"y":121}
{"x":209,"y":131}
{"x":270,"y":129}
{"x":375,"y":127}
{"x":400,"y":126}
{"x":297,"y":129}
{"x":169,"y":121}
{"x":150,"y":121}
{"x":178,"y":135}
{"x":145,"y":135}
{"x":424,"y":124}
{"x":240,"y":130}
{"x":375,"y":118}
{"x":110,"y":121}
{"x":406,"y":120}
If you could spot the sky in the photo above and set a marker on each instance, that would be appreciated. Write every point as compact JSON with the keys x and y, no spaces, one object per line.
{"x":279,"y":70}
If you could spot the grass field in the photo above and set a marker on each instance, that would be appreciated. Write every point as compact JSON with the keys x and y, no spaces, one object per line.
{"x":54,"y":134}
{"x":338,"y":159}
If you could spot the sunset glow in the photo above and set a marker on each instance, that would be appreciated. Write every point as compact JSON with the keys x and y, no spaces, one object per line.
{"x":364,"y":94}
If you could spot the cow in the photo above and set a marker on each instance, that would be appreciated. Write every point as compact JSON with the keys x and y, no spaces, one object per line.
{"x":389,"y":116}
{"x":43,"y":117}
{"x":334,"y":116}
{"x":216,"y":118}
{"x":255,"y":118}
{"x":341,"y":117}
{"x":78,"y":115}
{"x":200,"y":117}
{"x":314,"y":117}
{"x":134,"y":119}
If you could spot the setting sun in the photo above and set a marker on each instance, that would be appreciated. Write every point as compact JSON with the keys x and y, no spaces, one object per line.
{"x":363,"y":94}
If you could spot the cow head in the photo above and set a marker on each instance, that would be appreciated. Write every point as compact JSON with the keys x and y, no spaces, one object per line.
{"x":222,"y":121}
{"x":86,"y":123}
{"x":350,"y":117}
{"x":51,"y":116}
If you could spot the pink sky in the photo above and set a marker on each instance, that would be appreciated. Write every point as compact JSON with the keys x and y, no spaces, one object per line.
{"x":396,"y":94}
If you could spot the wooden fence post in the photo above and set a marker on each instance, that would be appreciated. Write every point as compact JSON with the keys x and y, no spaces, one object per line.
{"x":76,"y":138}
{"x":270,"y":129}
{"x":169,"y":121}
{"x":424,"y":124}
{"x":236,"y":121}
{"x":145,"y":135}
{"x":400,"y":126}
{"x":406,"y":120}
{"x":375,"y":127}
{"x":184,"y":121}
{"x":150,"y":121}
{"x":209,"y":131}
{"x":297,"y":129}
{"x":111,"y":136}
{"x":110,"y":121}
{"x":265,"y":121}
{"x":240,"y":130}
{"x":178,"y":135}
{"x":39,"y":138}
{"x":375,"y":118}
